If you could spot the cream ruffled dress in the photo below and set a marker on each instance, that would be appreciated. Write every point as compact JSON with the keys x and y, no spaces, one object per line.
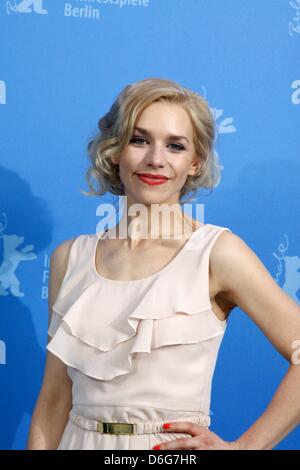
{"x":141,"y":351}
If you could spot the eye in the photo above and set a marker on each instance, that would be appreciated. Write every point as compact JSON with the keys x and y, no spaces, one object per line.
{"x":136,"y":140}
{"x":179,"y":147}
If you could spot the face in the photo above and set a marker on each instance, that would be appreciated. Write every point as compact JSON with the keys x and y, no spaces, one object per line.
{"x":153,"y":149}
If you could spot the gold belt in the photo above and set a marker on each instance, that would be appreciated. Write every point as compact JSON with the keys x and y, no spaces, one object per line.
{"x":148,"y":427}
{"x":116,"y":428}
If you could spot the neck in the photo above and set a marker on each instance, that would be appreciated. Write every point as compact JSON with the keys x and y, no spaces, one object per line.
{"x":153,"y":221}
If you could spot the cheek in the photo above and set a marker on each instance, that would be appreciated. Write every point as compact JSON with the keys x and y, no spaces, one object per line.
{"x":127,"y":168}
{"x":124,"y":173}
{"x":130,"y":161}
{"x":180,"y":170}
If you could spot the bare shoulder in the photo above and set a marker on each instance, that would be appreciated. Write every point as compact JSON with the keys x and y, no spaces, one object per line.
{"x":58,"y":266}
{"x":60,"y":255}
{"x":229,"y":252}
{"x":56,"y":388}
{"x":219,"y":265}
{"x":225,"y":244}
{"x":245,"y":281}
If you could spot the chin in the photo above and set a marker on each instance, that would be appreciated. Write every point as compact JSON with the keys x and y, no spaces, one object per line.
{"x":145,"y":198}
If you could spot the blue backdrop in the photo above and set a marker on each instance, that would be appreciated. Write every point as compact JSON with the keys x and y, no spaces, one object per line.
{"x":62,"y":65}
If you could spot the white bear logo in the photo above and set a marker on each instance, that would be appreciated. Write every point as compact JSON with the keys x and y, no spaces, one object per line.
{"x":25,"y":7}
{"x":11,"y":260}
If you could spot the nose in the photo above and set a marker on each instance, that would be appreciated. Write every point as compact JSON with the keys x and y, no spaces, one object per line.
{"x":155,"y":156}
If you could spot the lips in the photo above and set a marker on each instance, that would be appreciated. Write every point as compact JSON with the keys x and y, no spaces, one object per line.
{"x":152,"y":179}
{"x":152,"y":175}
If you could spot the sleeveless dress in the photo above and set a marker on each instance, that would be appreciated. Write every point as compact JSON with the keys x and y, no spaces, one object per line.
{"x":141,"y":351}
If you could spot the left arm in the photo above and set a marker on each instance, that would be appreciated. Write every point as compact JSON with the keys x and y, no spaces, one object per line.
{"x":243,"y":280}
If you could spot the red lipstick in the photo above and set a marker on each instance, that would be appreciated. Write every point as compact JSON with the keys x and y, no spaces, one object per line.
{"x":152,"y":179}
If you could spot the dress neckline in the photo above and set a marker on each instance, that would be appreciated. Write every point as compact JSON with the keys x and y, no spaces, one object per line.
{"x":147,"y":278}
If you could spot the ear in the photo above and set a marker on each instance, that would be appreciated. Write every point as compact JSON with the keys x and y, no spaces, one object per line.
{"x":195,"y":167}
{"x":114,"y":159}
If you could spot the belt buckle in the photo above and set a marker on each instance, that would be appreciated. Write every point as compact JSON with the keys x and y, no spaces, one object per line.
{"x":116,"y":428}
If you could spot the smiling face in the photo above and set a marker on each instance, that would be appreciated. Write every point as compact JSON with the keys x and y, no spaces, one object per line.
{"x":154,"y":149}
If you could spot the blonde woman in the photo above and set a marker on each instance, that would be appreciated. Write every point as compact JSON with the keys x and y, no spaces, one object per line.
{"x":137,"y":321}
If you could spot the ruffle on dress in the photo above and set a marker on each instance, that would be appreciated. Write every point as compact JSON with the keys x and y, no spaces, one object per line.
{"x":99,"y":328}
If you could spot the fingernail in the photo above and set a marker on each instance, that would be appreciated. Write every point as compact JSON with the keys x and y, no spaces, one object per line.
{"x":155,"y":448}
{"x":166,"y":425}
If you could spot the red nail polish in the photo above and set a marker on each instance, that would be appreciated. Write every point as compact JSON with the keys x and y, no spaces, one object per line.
{"x":166,"y":425}
{"x":155,"y":448}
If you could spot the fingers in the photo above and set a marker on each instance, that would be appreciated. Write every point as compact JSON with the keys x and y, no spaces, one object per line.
{"x":185,"y":443}
{"x":200,"y":440}
{"x":187,"y":427}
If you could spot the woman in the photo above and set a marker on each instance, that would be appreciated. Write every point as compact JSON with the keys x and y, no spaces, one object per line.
{"x":137,"y":321}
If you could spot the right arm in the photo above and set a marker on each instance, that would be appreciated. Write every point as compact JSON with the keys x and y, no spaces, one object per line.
{"x":54,"y":402}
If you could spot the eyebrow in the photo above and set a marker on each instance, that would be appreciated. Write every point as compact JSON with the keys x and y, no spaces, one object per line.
{"x":172,"y":136}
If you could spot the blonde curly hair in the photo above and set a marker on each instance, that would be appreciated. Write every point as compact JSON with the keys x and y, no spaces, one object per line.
{"x":115,"y":130}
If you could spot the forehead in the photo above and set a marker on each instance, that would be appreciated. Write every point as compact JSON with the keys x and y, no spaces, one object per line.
{"x":169,"y":117}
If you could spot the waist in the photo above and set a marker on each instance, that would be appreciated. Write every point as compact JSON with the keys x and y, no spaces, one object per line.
{"x":133,"y":425}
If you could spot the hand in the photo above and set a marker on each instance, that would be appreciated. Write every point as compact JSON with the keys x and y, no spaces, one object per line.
{"x":202,"y":438}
